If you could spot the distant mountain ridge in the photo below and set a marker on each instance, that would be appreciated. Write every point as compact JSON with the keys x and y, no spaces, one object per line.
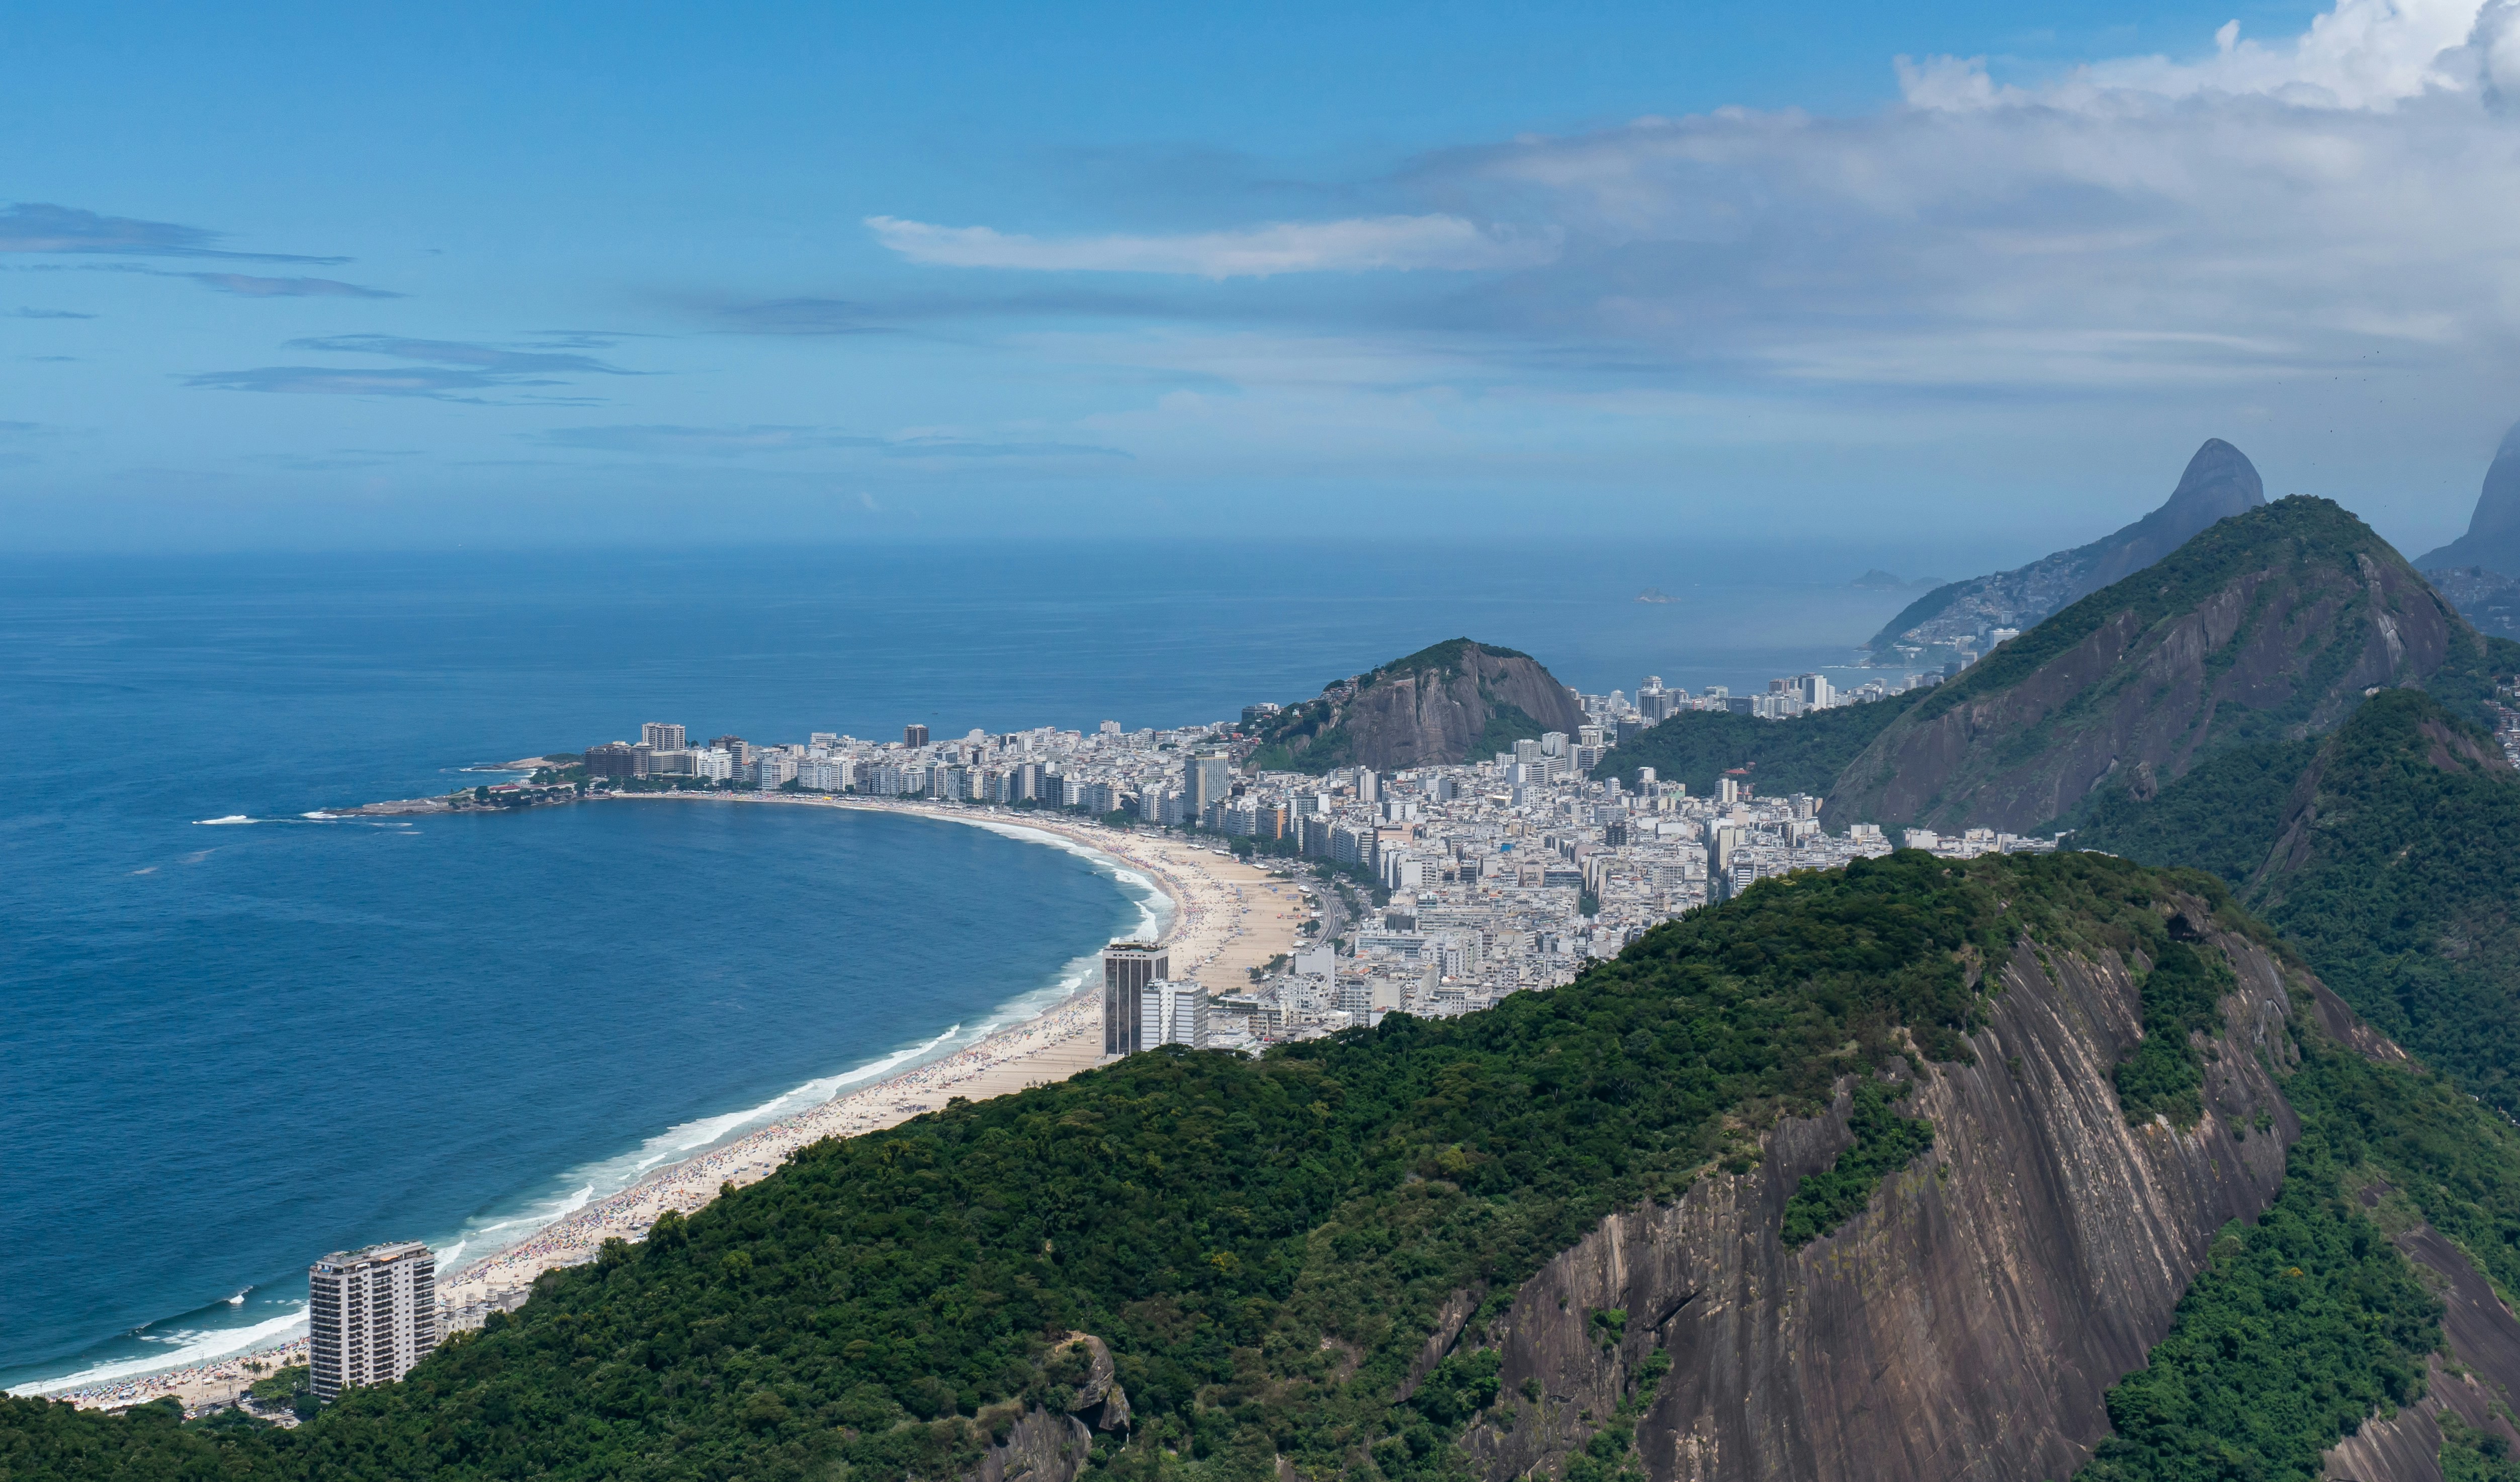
{"x":2492,"y":538}
{"x":2480,"y":571}
{"x":1449,"y":702}
{"x":2218,"y":482}
{"x":2270,"y":626}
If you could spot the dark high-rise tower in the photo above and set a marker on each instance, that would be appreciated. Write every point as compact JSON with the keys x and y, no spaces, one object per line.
{"x":1127,"y":968}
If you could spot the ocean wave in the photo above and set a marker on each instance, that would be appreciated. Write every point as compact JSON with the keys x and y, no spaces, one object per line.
{"x":229,"y":819}
{"x":604,"y":1179}
{"x":191,"y":1346}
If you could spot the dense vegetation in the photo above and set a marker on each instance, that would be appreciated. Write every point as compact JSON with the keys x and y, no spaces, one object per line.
{"x":2303,"y":1324}
{"x":1264,"y":1245}
{"x":2401,"y":892}
{"x":2296,"y":536}
{"x":1312,"y":735}
{"x":1802,"y":755}
{"x":1885,"y":1143}
{"x":2181,"y":994}
{"x":2298,"y":1327}
{"x":2266,"y":681}
{"x":2221,"y":817}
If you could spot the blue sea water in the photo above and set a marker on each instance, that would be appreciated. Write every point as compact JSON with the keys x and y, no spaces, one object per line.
{"x":226,"y":1049}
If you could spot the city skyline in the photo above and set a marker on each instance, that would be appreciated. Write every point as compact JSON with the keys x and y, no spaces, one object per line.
{"x":983,"y":273}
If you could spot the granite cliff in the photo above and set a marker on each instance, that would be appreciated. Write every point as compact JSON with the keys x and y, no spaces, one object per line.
{"x":2492,"y":538}
{"x":2271,"y":624}
{"x":2218,"y":482}
{"x":1456,"y":701}
{"x":1969,"y":1322}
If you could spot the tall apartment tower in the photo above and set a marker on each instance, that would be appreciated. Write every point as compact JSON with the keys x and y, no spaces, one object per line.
{"x":1127,"y":968}
{"x":660,"y":736}
{"x":914,"y":735}
{"x":370,"y":1315}
{"x":1173,"y":1013}
{"x":1205,"y":780}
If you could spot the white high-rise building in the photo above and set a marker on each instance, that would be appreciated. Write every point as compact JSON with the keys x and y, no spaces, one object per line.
{"x":370,"y":1315}
{"x":662,"y":736}
{"x":1172,"y":1013}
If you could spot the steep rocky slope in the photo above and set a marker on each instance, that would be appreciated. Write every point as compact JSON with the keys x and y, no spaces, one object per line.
{"x":1456,"y":701}
{"x":2389,"y":852}
{"x":2272,"y":624}
{"x":2492,"y":538}
{"x":2218,"y":482}
{"x":1967,"y":1323}
{"x":1915,"y":1169}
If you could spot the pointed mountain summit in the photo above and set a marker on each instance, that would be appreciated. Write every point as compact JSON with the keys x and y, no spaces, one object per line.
{"x":2268,"y":626}
{"x":2219,"y":482}
{"x":2492,"y":538}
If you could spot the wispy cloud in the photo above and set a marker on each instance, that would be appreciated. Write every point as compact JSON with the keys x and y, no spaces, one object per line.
{"x":248,"y":286}
{"x":492,"y":358}
{"x":42,"y":227}
{"x":1439,"y":243}
{"x":666,"y":441}
{"x":333,"y":381}
{"x":49,"y":313}
{"x":445,"y":370}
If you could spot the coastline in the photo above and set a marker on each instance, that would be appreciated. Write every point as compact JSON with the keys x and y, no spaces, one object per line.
{"x":1226,"y":916}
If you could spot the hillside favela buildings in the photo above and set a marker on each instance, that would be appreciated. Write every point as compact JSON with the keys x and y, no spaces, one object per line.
{"x":370,"y":1315}
{"x":1438,"y":890}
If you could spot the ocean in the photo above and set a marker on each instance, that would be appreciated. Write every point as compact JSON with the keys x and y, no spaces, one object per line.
{"x":233,"y":1039}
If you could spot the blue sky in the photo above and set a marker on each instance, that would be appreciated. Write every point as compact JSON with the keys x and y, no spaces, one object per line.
{"x":300,"y":277}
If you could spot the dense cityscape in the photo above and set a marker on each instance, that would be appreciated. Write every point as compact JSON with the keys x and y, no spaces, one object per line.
{"x":1435,"y":889}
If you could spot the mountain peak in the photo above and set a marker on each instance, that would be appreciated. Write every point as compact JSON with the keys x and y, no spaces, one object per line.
{"x":2220,"y":482}
{"x":2492,"y":538}
{"x":2270,"y":625}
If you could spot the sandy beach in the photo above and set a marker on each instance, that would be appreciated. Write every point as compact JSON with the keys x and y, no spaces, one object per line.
{"x":1227,"y":918}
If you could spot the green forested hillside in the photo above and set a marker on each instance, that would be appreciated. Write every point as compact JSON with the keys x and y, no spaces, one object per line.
{"x":2307,"y":1321}
{"x":889,"y":1303}
{"x":2392,"y":857}
{"x":1802,"y":755}
{"x":2265,"y":629}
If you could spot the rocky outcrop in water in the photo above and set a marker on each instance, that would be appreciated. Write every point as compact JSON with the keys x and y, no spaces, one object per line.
{"x":1967,"y":1323}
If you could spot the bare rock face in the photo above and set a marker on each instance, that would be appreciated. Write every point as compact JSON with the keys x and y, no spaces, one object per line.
{"x":2274,"y":623}
{"x":1042,"y":1446}
{"x":1969,"y":1322}
{"x":1436,"y":706}
{"x":1046,"y":1445}
{"x":2482,"y":1391}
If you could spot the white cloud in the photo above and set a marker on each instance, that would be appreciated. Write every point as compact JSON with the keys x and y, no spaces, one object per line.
{"x":1442,"y":242}
{"x":2364,"y":54}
